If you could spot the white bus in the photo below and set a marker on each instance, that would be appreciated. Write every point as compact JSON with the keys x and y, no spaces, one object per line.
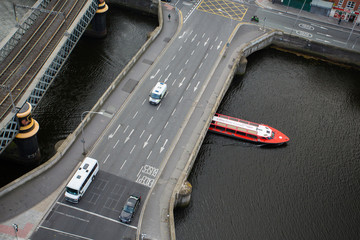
{"x":81,"y":180}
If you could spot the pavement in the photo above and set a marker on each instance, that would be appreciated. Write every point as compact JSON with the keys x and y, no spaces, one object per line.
{"x":28,"y":204}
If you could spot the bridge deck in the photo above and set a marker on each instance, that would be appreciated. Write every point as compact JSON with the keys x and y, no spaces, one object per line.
{"x":21,"y":66}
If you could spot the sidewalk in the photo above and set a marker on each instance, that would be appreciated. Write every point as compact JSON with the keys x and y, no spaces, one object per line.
{"x":28,"y":204}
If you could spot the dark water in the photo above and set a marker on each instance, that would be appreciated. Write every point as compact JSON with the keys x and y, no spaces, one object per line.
{"x":90,"y":69}
{"x":308,"y":189}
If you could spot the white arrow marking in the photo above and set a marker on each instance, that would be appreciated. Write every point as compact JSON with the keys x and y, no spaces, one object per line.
{"x":147,"y":141}
{"x":167,"y":77}
{"x":163,"y":147}
{"x":180,"y":84}
{"x":155,"y":74}
{"x":182,"y":35}
{"x":219,"y":45}
{"x":195,"y":88}
{"x":112,"y":134}
{"x":128,"y":137}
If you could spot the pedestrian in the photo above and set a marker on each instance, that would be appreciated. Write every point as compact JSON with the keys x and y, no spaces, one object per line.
{"x":169,"y":16}
{"x":339,"y":20}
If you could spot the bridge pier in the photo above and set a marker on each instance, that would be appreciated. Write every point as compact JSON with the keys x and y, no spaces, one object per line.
{"x":97,"y":27}
{"x":184,"y":195}
{"x":26,"y":139}
{"x":241,"y":68}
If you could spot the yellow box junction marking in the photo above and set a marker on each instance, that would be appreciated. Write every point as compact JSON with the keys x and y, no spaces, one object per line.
{"x":224,"y":8}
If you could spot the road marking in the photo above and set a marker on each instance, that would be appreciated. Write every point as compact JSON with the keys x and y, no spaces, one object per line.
{"x":166,"y":124}
{"x":206,"y":42}
{"x":319,"y":26}
{"x":159,"y":105}
{"x":126,"y":128}
{"x":324,"y":34}
{"x":142,"y":133}
{"x":195,"y":88}
{"x":339,"y":42}
{"x":132,"y":149}
{"x":203,"y":35}
{"x":181,"y":83}
{"x":211,"y":47}
{"x":219,"y":45}
{"x":135,"y":114}
{"x":206,"y":55}
{"x":149,"y":155}
{"x":123,"y":164}
{"x":181,"y":99}
{"x":303,"y":34}
{"x":163,"y":147}
{"x":143,"y":101}
{"x":306,"y":26}
{"x":137,"y":175}
{"x":198,"y":43}
{"x":112,"y":134}
{"x":188,"y":86}
{"x":193,"y":38}
{"x":200,"y":65}
{"x":180,"y":48}
{"x":107,"y":157}
{"x":157,"y":140}
{"x":150,"y":119}
{"x":65,"y":233}
{"x":95,"y":214}
{"x":194,"y":75}
{"x":147,"y":141}
{"x":128,"y":137}
{"x":192,"y":52}
{"x":167,"y":78}
{"x":181,"y":71}
{"x":116,"y":144}
{"x":173,"y":57}
{"x":186,"y":40}
{"x":167,"y":67}
{"x":322,"y":40}
{"x":155,"y":74}
{"x":173,"y":82}
{"x":182,"y":35}
{"x":186,"y":61}
{"x":216,"y":38}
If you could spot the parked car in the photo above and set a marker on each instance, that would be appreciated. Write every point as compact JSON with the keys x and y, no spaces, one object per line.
{"x":129,"y":209}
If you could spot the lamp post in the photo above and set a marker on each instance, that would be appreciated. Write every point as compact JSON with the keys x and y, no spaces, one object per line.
{"x":297,"y":18}
{"x":82,"y":128}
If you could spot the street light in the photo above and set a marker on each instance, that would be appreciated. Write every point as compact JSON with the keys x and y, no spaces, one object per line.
{"x":82,"y":128}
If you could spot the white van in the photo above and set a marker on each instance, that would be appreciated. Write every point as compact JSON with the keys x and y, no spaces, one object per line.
{"x":81,"y":180}
{"x":157,"y":93}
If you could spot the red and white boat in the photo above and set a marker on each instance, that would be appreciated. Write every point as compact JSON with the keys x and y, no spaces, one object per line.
{"x":254,"y":132}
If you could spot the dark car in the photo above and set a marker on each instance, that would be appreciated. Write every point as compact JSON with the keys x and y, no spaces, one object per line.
{"x":129,"y":209}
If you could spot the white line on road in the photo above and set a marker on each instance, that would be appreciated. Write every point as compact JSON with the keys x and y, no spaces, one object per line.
{"x":135,"y":114}
{"x":203,"y":35}
{"x":195,"y":88}
{"x":181,"y":83}
{"x":71,"y":216}
{"x":107,"y":157}
{"x":339,"y":42}
{"x":192,"y":52}
{"x":188,"y":86}
{"x":194,"y":75}
{"x":206,"y":55}
{"x":173,"y":112}
{"x":163,"y":147}
{"x":193,"y":38}
{"x":206,"y":42}
{"x":219,"y":45}
{"x":143,"y":101}
{"x":173,"y":82}
{"x":126,"y":128}
{"x":157,"y":140}
{"x":173,"y":57}
{"x":142,"y":133}
{"x":167,"y":78}
{"x":123,"y":164}
{"x":166,"y":124}
{"x":147,"y":141}
{"x":198,"y":43}
{"x":159,"y":105}
{"x":116,"y":144}
{"x":132,"y":149}
{"x":186,"y":61}
{"x":167,"y":67}
{"x":155,"y":74}
{"x":150,"y":119}
{"x":181,"y":71}
{"x":149,"y":155}
{"x":65,"y":233}
{"x":211,"y":47}
{"x":140,"y":171}
{"x":216,"y":38}
{"x":112,"y":134}
{"x":200,"y":65}
{"x":181,"y":99}
{"x":128,"y":137}
{"x":324,"y":34}
{"x":322,"y":40}
{"x":180,"y":48}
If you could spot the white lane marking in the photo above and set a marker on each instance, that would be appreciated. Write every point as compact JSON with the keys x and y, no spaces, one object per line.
{"x":203,"y":35}
{"x":107,"y":158}
{"x":71,"y":216}
{"x":112,"y":134}
{"x":135,"y":114}
{"x":132,"y":149}
{"x":173,"y":57}
{"x":186,"y":61}
{"x":166,"y":124}
{"x":200,"y":65}
{"x":155,"y":74}
{"x":142,"y":133}
{"x":147,"y":141}
{"x":173,"y":82}
{"x":160,"y":78}
{"x":206,"y":42}
{"x":192,"y":52}
{"x":143,"y":101}
{"x":324,"y":34}
{"x":181,"y":83}
{"x":219,"y":45}
{"x":157,"y":140}
{"x":181,"y":71}
{"x":150,"y":119}
{"x":195,"y":88}
{"x":163,"y":147}
{"x":181,"y":99}
{"x":97,"y":215}
{"x":216,"y":38}
{"x":206,"y":55}
{"x":167,"y":78}
{"x":66,"y":233}
{"x":167,"y":67}
{"x":126,"y":128}
{"x":159,"y":105}
{"x":180,"y":48}
{"x":319,"y":26}
{"x":123,"y":164}
{"x":173,"y":112}
{"x":182,"y":35}
{"x":186,"y":40}
{"x":149,"y":155}
{"x":322,"y":40}
{"x":188,"y":86}
{"x":339,"y":42}
{"x":194,"y":75}
{"x":193,"y":38}
{"x":139,"y":171}
{"x":211,"y":47}
{"x":198,"y":43}
{"x":128,"y":137}
{"x":116,"y":144}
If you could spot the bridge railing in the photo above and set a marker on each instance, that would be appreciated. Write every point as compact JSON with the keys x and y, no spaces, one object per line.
{"x":15,"y":35}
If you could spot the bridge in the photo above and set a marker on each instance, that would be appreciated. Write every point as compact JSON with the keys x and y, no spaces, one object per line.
{"x":141,"y":148}
{"x":32,"y":55}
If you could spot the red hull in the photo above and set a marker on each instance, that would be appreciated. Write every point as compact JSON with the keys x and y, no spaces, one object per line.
{"x":245,"y":130}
